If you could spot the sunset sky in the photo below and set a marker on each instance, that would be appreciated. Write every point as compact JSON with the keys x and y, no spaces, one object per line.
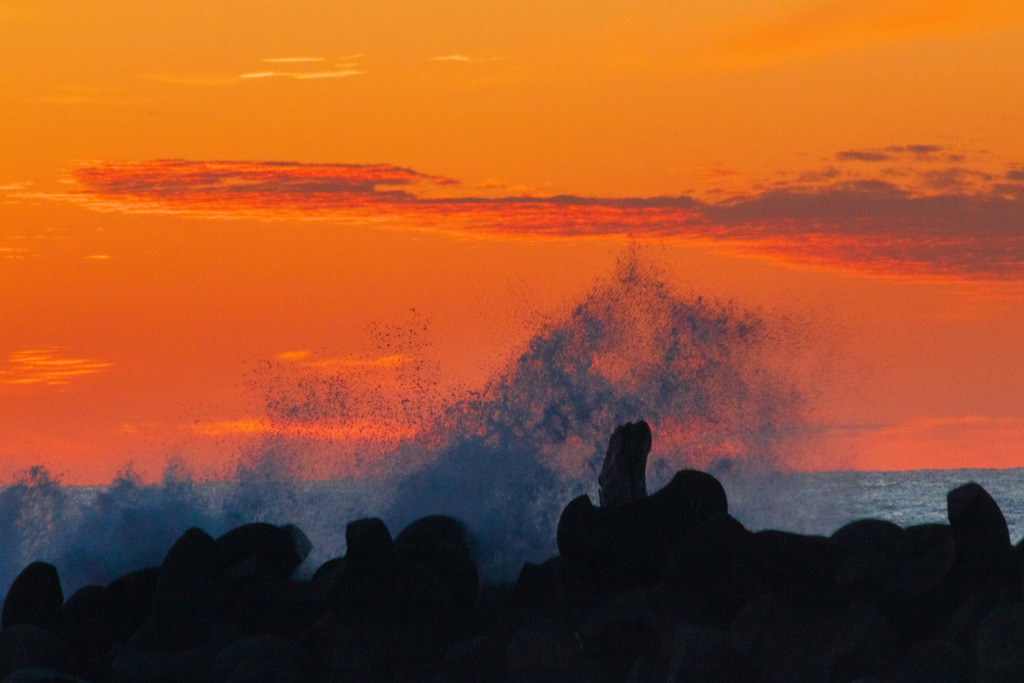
{"x":209,"y":209}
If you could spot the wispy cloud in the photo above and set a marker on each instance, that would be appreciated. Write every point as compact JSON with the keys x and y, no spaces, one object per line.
{"x":462,"y":59}
{"x":329,"y":74}
{"x":48,"y":366}
{"x":916,"y":153}
{"x":342,"y":67}
{"x":294,"y":60}
{"x":863,"y":155}
{"x":373,"y":430}
{"x":16,"y":253}
{"x":304,"y":75}
{"x":306,"y":359}
{"x":935,"y":222}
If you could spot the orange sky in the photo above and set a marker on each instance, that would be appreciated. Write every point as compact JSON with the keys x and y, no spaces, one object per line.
{"x":207,"y":206}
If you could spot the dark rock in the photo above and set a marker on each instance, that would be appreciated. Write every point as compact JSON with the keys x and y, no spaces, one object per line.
{"x":875,"y":556}
{"x":145,"y":657}
{"x":1000,"y":646}
{"x":856,"y":639}
{"x":545,"y":649}
{"x":932,"y":555}
{"x":441,"y":545}
{"x":368,"y":539}
{"x":87,"y":620}
{"x":703,"y":494}
{"x":770,"y":638}
{"x":254,"y":586}
{"x":34,"y":674}
{"x":27,"y":645}
{"x":797,"y":566}
{"x":932,"y":661}
{"x":542,"y":591}
{"x":435,"y":589}
{"x":701,"y":653}
{"x":703,"y":568}
{"x":356,"y":651}
{"x":34,"y":598}
{"x":623,"y":477}
{"x":265,"y":547}
{"x":185,"y":604}
{"x":779,"y":641}
{"x":961,"y":628}
{"x":930,"y":595}
{"x":371,"y":564}
{"x":477,"y":659}
{"x":619,"y":631}
{"x":130,"y":601}
{"x":983,"y":559}
{"x":615,"y":548}
{"x":327,"y":576}
{"x":260,"y":658}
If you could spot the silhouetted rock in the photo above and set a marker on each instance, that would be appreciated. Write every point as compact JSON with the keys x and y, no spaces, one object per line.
{"x":27,"y":645}
{"x":932,"y":555}
{"x":667,"y":587}
{"x":770,"y":637}
{"x":932,"y":661}
{"x":260,"y":658}
{"x":34,"y":598}
{"x":623,"y":477}
{"x":185,"y":605}
{"x":539,"y":586}
{"x":481,"y":658}
{"x":544,"y":650}
{"x":371,"y":563}
{"x":1000,"y":645}
{"x":983,"y":560}
{"x":930,"y":595}
{"x":87,"y":619}
{"x":130,"y":601}
{"x":961,"y":627}
{"x":629,"y":545}
{"x":440,"y":544}
{"x":704,"y":568}
{"x":701,"y":653}
{"x":34,"y":674}
{"x":875,"y":555}
{"x":620,"y":630}
{"x":800,"y":567}
{"x":262,"y":547}
{"x":780,"y":641}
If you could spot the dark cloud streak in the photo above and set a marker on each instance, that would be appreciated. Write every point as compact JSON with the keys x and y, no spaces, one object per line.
{"x":863,"y":155}
{"x":858,"y":226}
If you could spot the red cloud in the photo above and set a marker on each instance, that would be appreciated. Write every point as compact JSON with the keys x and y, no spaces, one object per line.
{"x":861,"y":226}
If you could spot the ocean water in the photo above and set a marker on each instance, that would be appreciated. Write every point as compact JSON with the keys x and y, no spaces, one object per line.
{"x":821,"y":502}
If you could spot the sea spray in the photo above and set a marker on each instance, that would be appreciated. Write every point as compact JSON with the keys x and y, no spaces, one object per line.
{"x":504,"y":459}
{"x":531,"y":440}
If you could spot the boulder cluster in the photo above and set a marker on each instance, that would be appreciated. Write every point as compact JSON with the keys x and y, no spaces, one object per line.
{"x":666,"y":587}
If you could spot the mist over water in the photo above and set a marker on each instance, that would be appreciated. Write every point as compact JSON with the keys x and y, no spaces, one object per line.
{"x":708,"y":377}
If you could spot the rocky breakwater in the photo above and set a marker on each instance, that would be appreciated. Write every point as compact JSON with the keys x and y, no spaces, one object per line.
{"x":666,"y":587}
